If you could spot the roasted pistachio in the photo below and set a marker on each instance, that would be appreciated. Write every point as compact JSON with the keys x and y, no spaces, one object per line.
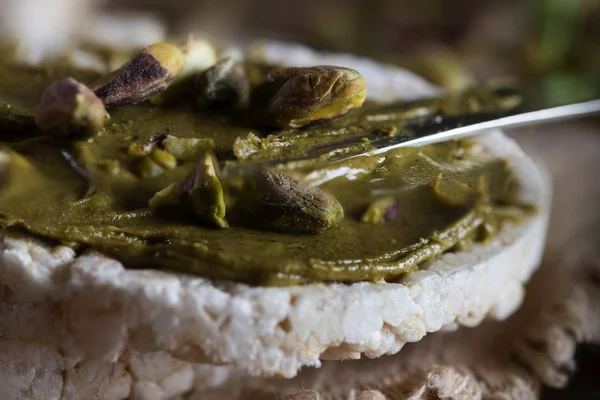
{"x":294,"y":97}
{"x":69,"y":106}
{"x":276,"y":201}
{"x":381,"y":210}
{"x":225,"y":84}
{"x":149,"y":72}
{"x":163,"y":197}
{"x":202,"y":194}
{"x":187,"y":149}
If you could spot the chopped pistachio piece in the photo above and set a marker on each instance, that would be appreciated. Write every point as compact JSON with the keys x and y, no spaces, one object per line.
{"x":146,"y":167}
{"x":187,"y":149}
{"x":113,"y":167}
{"x":136,"y":150}
{"x":149,"y":72}
{"x":163,"y":197}
{"x":381,"y":210}
{"x":244,"y":147}
{"x":225,"y":84}
{"x":163,"y":158}
{"x":69,"y":106}
{"x":278,"y":202}
{"x":201,"y":192}
{"x":452,"y":192}
{"x":294,"y":97}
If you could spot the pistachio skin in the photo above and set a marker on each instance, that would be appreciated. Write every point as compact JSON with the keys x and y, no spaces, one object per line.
{"x":276,"y":201}
{"x":149,"y":72}
{"x":294,"y":97}
{"x":68,"y":106}
{"x":224,"y":85}
{"x":201,"y":192}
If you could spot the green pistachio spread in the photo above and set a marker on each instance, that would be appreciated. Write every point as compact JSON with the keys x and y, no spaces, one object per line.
{"x":109,"y":193}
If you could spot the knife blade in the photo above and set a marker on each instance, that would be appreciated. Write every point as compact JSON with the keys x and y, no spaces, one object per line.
{"x":542,"y":100}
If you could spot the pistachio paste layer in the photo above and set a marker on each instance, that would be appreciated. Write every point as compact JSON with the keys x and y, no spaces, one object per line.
{"x":147,"y":189}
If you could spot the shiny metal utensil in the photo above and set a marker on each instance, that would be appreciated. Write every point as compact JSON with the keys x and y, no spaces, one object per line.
{"x":543,"y":100}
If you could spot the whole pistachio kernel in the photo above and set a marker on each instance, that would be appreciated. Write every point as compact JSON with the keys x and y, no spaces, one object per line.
{"x":69,"y":106}
{"x":149,"y":72}
{"x":276,"y":201}
{"x":201,"y":192}
{"x":294,"y":97}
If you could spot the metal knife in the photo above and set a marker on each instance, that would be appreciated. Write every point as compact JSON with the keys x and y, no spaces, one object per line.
{"x":547,"y":99}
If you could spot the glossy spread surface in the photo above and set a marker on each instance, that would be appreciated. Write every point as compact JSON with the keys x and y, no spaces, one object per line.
{"x":400,"y":209}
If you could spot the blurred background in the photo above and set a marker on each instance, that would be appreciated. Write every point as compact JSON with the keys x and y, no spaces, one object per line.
{"x":487,"y":38}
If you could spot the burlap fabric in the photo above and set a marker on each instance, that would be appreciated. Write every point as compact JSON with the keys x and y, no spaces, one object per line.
{"x":497,"y":360}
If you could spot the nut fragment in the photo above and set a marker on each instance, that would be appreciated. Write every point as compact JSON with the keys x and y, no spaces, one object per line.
{"x":146,"y":167}
{"x":68,"y":106}
{"x":202,"y":194}
{"x":381,"y":210}
{"x":149,"y":72}
{"x":187,"y":149}
{"x":137,"y":150}
{"x":163,"y":197}
{"x":163,"y":158}
{"x":294,"y":97}
{"x":276,"y":201}
{"x":225,"y":84}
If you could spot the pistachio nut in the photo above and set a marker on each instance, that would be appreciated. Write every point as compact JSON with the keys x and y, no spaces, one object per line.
{"x":225,"y":84}
{"x":199,"y":55}
{"x":163,"y":197}
{"x":381,"y":210}
{"x":187,"y":149}
{"x":137,"y":150}
{"x":276,"y":201}
{"x":146,"y":167}
{"x":163,"y":158}
{"x":455,"y":193}
{"x":69,"y":106}
{"x":112,"y":167}
{"x":294,"y":97}
{"x":201,"y":192}
{"x":149,"y":72}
